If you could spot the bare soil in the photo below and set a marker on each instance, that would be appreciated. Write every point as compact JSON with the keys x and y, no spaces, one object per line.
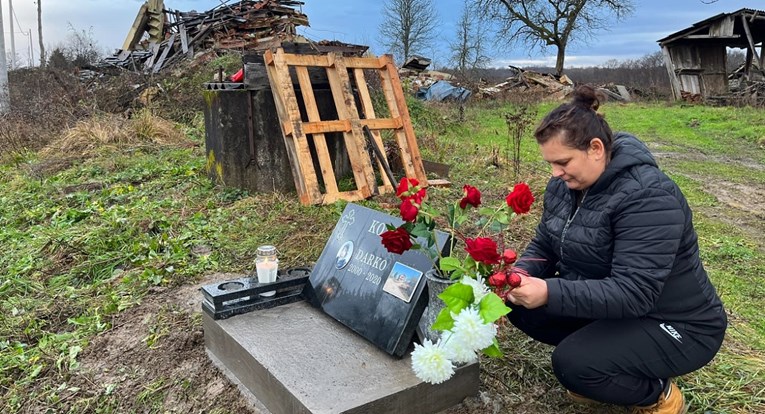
{"x":153,"y":358}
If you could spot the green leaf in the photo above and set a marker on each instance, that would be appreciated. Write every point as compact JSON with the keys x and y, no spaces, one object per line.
{"x":444,"y":321}
{"x":450,"y":214}
{"x":486,"y":211}
{"x":448,"y":264}
{"x":496,"y":226}
{"x":390,"y":227}
{"x":457,"y":274}
{"x":503,"y":218}
{"x":420,"y":230}
{"x":457,"y":297}
{"x":493,"y":350}
{"x":492,"y":307}
{"x":470,"y":264}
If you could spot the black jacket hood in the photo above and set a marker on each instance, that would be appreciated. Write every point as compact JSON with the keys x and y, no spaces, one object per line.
{"x":627,"y":152}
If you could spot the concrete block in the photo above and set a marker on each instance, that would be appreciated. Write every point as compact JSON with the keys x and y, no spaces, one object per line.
{"x":296,"y":359}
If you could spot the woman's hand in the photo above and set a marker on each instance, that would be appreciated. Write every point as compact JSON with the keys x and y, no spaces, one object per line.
{"x":532,"y":293}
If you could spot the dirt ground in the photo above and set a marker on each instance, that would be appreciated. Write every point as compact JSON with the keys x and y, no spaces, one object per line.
{"x":153,"y":358}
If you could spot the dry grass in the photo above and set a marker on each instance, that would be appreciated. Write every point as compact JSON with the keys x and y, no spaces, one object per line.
{"x":93,"y":134}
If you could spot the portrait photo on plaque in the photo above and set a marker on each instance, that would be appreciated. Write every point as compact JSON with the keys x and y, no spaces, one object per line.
{"x":344,"y":255}
{"x":402,"y":281}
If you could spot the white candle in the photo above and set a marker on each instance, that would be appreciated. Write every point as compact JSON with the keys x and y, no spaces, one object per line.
{"x":267,"y":271}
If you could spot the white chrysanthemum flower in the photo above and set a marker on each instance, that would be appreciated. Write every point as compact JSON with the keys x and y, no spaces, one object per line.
{"x":431,"y":363}
{"x":458,"y":351}
{"x":470,"y":328}
{"x":479,"y":287}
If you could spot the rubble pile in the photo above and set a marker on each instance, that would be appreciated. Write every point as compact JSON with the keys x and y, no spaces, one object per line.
{"x":531,"y":82}
{"x":414,"y":72}
{"x":251,"y":25}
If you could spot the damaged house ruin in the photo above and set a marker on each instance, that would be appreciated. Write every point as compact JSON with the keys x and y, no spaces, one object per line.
{"x":696,"y":59}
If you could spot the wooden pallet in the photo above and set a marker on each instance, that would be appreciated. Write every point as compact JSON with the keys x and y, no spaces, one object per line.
{"x":351,"y":119}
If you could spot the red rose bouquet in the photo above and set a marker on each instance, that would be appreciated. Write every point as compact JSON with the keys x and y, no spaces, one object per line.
{"x":485,"y":275}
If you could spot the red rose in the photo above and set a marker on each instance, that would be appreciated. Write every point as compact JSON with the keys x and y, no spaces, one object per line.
{"x":419,"y":196}
{"x":472,"y":197}
{"x":498,"y":279}
{"x":509,"y":256}
{"x":483,"y":249}
{"x":514,"y":280}
{"x":396,"y":241}
{"x":408,"y":210}
{"x":520,"y":199}
{"x":405,"y":185}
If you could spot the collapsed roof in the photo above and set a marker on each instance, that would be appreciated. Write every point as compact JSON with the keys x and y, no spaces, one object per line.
{"x":695,"y":57}
{"x":160,"y":37}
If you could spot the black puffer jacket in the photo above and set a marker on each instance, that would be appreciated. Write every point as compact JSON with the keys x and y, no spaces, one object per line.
{"x":629,"y":251}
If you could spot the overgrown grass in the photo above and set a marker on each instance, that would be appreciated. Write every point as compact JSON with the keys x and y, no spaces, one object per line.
{"x":88,"y":239}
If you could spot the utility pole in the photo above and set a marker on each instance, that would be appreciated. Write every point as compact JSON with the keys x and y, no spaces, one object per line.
{"x":13,"y":39}
{"x":5,"y":104}
{"x":39,"y":31}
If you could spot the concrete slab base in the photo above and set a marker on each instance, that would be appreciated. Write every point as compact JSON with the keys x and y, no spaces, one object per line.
{"x":296,"y":359}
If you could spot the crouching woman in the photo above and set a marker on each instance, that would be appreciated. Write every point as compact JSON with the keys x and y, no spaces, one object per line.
{"x":620,"y":290}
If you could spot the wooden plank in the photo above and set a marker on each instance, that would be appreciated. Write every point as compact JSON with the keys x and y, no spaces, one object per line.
{"x":363,"y":63}
{"x":369,"y":113}
{"x":394,"y":95}
{"x":168,"y":48}
{"x":155,"y":51}
{"x":353,"y":195}
{"x":325,"y":127}
{"x":406,"y":159}
{"x":748,"y":32}
{"x":345,"y":104}
{"x":735,"y":36}
{"x":303,"y":151}
{"x":184,"y":38}
{"x":319,"y":140}
{"x":307,"y":60}
{"x":383,"y":123}
{"x":671,"y":71}
{"x":344,"y":125}
{"x":286,"y":105}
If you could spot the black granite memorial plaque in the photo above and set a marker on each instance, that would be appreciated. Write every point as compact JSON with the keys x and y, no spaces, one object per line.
{"x":357,"y":281}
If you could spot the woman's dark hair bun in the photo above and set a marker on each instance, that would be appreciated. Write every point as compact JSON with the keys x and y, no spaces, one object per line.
{"x":588,"y":97}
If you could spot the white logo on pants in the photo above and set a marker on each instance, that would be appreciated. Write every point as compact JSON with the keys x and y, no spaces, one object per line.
{"x":672,"y":332}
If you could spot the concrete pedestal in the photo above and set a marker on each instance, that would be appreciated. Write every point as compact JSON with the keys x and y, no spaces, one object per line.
{"x":296,"y":359}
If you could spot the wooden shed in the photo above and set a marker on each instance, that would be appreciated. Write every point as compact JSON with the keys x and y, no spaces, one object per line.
{"x":696,"y":56}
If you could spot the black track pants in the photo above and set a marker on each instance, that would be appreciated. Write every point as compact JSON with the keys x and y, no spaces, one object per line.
{"x":617,"y":361}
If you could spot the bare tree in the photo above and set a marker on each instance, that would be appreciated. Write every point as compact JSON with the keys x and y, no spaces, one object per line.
{"x":468,"y":49}
{"x":408,"y":26}
{"x":554,"y":23}
{"x":40,"y":32}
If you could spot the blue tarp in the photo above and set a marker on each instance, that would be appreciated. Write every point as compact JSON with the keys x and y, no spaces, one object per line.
{"x":442,"y":91}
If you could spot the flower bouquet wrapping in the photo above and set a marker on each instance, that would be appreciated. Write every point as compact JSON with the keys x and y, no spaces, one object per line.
{"x":485,"y":275}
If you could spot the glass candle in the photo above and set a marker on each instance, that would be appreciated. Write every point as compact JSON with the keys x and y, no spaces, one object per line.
{"x":267,"y":266}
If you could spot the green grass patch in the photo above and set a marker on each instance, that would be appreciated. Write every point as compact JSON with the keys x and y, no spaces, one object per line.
{"x":727,"y":171}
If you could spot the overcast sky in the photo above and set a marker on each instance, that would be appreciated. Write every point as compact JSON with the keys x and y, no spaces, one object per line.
{"x":357,"y":21}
